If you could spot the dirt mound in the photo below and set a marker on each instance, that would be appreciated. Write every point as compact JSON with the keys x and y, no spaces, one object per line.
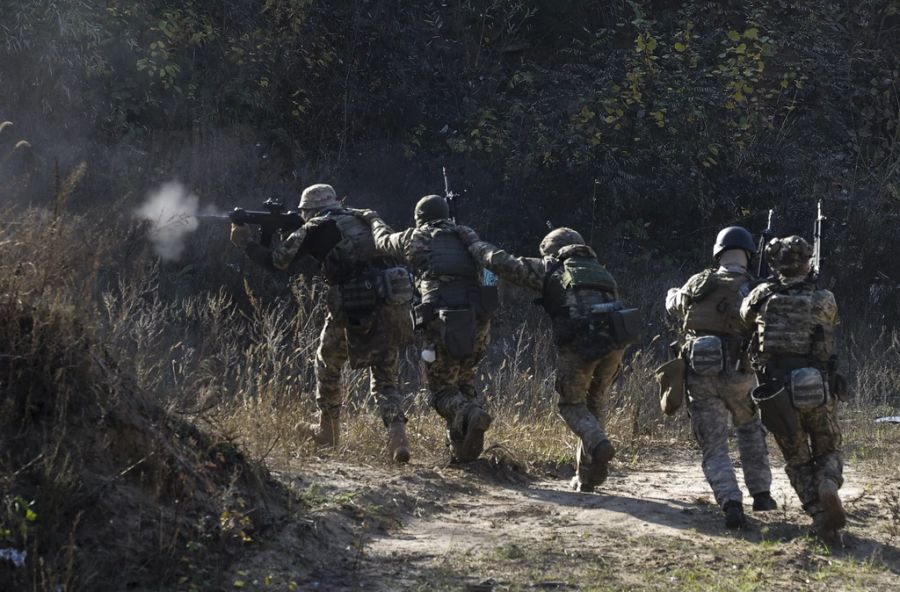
{"x":101,"y":488}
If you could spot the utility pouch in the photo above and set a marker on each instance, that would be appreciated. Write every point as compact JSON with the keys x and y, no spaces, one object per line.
{"x":707,"y":356}
{"x":625,"y":326}
{"x":488,"y":299}
{"x":359,"y":297}
{"x":671,"y":377}
{"x":458,"y":332}
{"x":396,"y":286}
{"x":775,"y":410}
{"x":808,"y":388}
{"x":423,"y":314}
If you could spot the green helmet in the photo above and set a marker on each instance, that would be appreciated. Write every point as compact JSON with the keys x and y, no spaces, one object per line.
{"x":431,"y":208}
{"x":559,"y":238}
{"x":789,"y":256}
{"x":734,"y":237}
{"x":318,"y":196}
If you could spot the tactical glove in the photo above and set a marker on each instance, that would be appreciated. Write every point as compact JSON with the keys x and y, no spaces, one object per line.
{"x":367,"y":215}
{"x":240,"y":235}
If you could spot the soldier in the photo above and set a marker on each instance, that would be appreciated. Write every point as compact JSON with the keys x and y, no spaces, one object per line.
{"x":572,"y":284}
{"x":368,"y":311}
{"x":793,"y":355}
{"x":455,"y":313}
{"x":719,"y":379}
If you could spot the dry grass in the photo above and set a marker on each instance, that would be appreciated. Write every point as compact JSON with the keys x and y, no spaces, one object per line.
{"x":239,"y":361}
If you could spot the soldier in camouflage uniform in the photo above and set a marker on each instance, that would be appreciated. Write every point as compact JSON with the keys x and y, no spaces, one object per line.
{"x":455,"y":314}
{"x":719,"y":380}
{"x":793,"y":354}
{"x":571,"y":281}
{"x":368,"y":311}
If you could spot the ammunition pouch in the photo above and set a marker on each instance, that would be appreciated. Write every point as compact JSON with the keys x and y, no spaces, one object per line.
{"x":423,"y":314}
{"x":707,"y":355}
{"x":488,"y":300}
{"x":458,"y":332}
{"x":671,"y":377}
{"x":396,"y":286}
{"x":622,"y":325}
{"x":360,"y":296}
{"x":776,"y":410}
{"x":808,"y":388}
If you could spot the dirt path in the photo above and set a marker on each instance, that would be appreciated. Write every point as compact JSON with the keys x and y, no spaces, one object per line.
{"x":491,"y":526}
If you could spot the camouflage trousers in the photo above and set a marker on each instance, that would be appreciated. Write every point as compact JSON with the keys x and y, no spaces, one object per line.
{"x":371,"y":343}
{"x":451,"y":381}
{"x":711,"y":399}
{"x":813,"y":454}
{"x":583,"y":385}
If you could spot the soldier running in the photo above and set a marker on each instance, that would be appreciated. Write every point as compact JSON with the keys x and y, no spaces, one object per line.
{"x":573,"y":286}
{"x":792,"y":351}
{"x":455,"y":314}
{"x":719,"y":379}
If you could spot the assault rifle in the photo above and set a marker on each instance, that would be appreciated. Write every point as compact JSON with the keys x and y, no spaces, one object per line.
{"x":274,"y":218}
{"x":450,"y":196}
{"x":816,"y":267}
{"x":762,"y":269}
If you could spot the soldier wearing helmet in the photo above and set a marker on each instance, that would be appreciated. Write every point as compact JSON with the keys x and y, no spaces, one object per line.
{"x":454,"y":314}
{"x":718,"y":378}
{"x":792,"y":351}
{"x":579,"y":295}
{"x":368,"y":311}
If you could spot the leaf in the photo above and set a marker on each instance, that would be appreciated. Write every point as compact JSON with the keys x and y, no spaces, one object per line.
{"x":734,"y":35}
{"x":751,"y":33}
{"x":239,"y":583}
{"x":680,"y":47}
{"x":741,"y":49}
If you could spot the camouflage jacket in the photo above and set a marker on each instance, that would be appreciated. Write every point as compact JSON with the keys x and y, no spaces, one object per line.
{"x":413,"y":246}
{"x":790,"y":318}
{"x":528,"y":272}
{"x":715,"y":293}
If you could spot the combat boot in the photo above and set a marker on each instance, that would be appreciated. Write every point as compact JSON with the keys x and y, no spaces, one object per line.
{"x":834,"y":517}
{"x":594,"y":469}
{"x":734,"y":515}
{"x":324,"y":434}
{"x":475,"y":423}
{"x":763,"y":502}
{"x":398,"y":445}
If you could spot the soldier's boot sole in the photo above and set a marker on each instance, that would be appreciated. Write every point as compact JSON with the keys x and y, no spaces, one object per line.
{"x":598,"y":470}
{"x":473,"y":442}
{"x":834,"y":516}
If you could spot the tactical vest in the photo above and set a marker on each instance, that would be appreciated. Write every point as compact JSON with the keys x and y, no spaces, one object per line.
{"x":451,"y":276}
{"x":786,"y":322}
{"x":356,"y":252}
{"x":715,"y":303}
{"x":575,"y":283}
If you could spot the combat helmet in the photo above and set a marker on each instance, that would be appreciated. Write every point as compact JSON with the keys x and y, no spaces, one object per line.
{"x":734,"y":237}
{"x":559,"y":238}
{"x":431,"y":208}
{"x":790,"y":256}
{"x":318,"y":196}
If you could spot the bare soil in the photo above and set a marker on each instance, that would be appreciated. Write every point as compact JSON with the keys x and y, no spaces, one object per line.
{"x":492,"y":525}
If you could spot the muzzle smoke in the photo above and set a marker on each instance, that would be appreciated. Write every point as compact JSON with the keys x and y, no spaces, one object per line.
{"x":172,"y":212}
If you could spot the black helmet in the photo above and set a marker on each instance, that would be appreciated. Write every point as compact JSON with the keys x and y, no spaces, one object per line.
{"x":734,"y":237}
{"x":431,"y":208}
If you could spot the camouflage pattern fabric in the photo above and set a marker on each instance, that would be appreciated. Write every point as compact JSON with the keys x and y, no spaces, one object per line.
{"x":583,"y":385}
{"x":813,"y":454}
{"x":383,"y":359}
{"x":451,"y":382}
{"x":711,"y":399}
{"x":373,"y":341}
